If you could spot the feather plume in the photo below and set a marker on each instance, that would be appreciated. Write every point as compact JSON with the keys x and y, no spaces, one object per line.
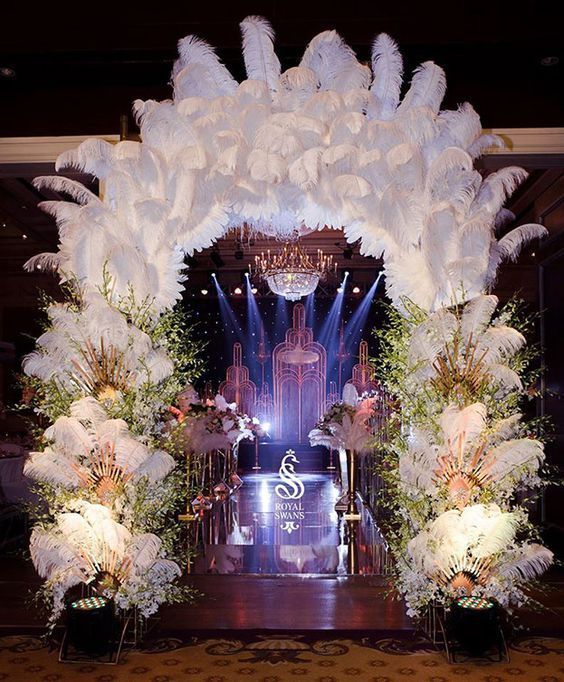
{"x":157,"y":466}
{"x":261,"y":61}
{"x":507,"y":378}
{"x":510,"y":457}
{"x":88,"y":410}
{"x":484,"y":142}
{"x":44,"y":261}
{"x":526,"y":562}
{"x":193,"y":50}
{"x":70,"y":436}
{"x":334,"y":63}
{"x":431,"y":336}
{"x":504,"y":429}
{"x":143,"y":550}
{"x":93,"y":156}
{"x":76,"y":190}
{"x":387,"y":67}
{"x":427,"y":88}
{"x":462,"y":426}
{"x":459,"y":128}
{"x":476,"y":316}
{"x":498,"y":343}
{"x":51,"y":467}
{"x":350,"y":395}
{"x":511,"y":244}
{"x":498,"y":186}
{"x":496,"y":531}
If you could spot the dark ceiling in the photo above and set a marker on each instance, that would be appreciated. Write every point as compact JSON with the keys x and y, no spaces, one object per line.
{"x":75,"y":71}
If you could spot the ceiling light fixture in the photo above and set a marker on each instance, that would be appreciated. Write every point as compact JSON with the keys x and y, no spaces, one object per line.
{"x":291,"y":273}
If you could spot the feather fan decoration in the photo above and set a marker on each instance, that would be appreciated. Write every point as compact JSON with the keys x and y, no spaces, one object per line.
{"x":88,"y":450}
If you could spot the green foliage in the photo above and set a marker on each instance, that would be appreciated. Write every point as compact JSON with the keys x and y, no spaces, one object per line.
{"x":406,"y":512}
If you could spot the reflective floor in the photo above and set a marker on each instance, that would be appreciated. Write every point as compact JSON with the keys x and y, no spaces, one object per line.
{"x":267,"y":528}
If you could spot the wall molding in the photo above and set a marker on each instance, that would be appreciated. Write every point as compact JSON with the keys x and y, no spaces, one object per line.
{"x":527,"y":141}
{"x":30,"y":150}
{"x":25,"y":150}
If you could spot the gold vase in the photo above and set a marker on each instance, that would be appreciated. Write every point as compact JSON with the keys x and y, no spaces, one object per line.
{"x":352,"y":513}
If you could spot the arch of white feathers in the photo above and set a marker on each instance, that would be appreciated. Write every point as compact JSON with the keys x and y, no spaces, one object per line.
{"x":330,"y":142}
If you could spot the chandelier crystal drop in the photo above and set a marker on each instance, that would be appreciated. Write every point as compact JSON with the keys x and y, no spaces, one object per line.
{"x":291,"y":272}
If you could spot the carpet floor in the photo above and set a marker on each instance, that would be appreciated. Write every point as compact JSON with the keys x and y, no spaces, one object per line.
{"x":271,"y":658}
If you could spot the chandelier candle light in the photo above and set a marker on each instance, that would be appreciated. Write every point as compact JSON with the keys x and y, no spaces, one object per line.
{"x":291,"y":273}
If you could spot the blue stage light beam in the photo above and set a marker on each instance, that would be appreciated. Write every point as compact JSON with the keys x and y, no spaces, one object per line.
{"x":253,"y":330}
{"x":310,"y":310}
{"x":330,"y":329}
{"x":282,"y":316}
{"x":228,"y":318}
{"x":354,"y":328}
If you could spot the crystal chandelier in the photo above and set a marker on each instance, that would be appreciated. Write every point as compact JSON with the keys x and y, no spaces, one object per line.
{"x":291,"y":273}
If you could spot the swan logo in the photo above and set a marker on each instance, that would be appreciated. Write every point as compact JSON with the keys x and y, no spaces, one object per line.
{"x":291,"y":487}
{"x":291,"y":490}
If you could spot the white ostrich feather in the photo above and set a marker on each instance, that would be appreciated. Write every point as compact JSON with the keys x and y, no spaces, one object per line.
{"x":431,"y":336}
{"x":502,"y":218}
{"x":351,"y":186}
{"x":511,"y":244}
{"x":496,"y":532}
{"x":334,"y":63}
{"x":484,"y":142}
{"x":504,"y":429}
{"x":498,"y":343}
{"x":427,"y":89}
{"x":460,"y":128}
{"x":261,"y":61}
{"x":159,"y":365}
{"x":350,"y":395}
{"x":449,"y":160}
{"x":51,"y":555}
{"x":44,"y":261}
{"x":319,"y":437}
{"x":498,"y":186}
{"x":462,"y":426}
{"x":193,"y":50}
{"x":476,"y":316}
{"x":511,"y":456}
{"x":507,"y":378}
{"x":91,"y":156}
{"x":156,"y":467}
{"x":76,"y":190}
{"x":79,"y":533}
{"x":143,"y":550}
{"x":387,"y":67}
{"x":526,"y":562}
{"x":50,"y":466}
{"x":165,"y":570}
{"x":70,"y":436}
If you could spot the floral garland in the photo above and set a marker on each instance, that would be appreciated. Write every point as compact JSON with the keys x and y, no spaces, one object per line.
{"x":107,"y":467}
{"x":464,"y":464}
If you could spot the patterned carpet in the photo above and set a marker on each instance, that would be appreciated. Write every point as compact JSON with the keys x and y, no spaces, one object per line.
{"x":271,"y":658}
